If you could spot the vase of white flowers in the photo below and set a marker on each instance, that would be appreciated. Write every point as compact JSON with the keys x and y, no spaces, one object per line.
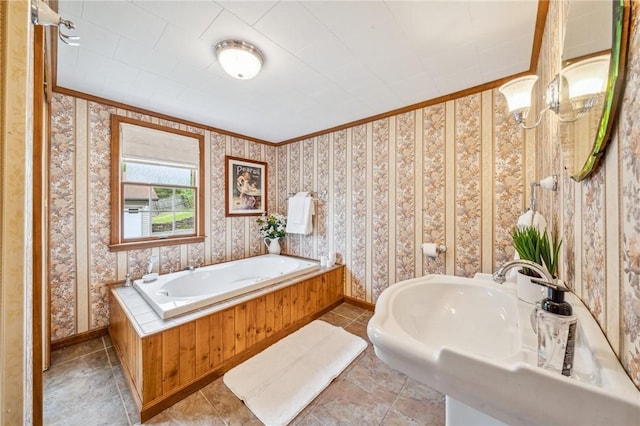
{"x":272,"y":228}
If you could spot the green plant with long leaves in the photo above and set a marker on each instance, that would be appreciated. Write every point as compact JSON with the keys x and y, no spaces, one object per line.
{"x":541,"y":248}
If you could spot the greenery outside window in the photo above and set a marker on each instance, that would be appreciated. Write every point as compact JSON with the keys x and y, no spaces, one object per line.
{"x":157,"y":185}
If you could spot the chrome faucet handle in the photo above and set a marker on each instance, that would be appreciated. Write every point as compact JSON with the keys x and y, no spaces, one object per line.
{"x":499,"y":278}
{"x":127,"y":280}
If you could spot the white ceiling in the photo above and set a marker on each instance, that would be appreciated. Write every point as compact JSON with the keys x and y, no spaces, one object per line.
{"x":588,"y":28}
{"x":327,"y":62}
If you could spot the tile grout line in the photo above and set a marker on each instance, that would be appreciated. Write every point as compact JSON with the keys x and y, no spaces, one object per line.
{"x":115,"y":382}
{"x":213,"y":406}
{"x":76,"y":358}
{"x":406,"y":380}
{"x":391,"y":405}
{"x":124,"y":405}
{"x":375,"y":396}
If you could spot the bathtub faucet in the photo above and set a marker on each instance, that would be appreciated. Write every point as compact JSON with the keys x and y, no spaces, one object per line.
{"x":500,"y":275}
{"x":190,"y":268}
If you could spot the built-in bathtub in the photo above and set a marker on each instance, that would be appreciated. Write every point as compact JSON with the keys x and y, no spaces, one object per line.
{"x":165,"y":360}
{"x":186,"y":291}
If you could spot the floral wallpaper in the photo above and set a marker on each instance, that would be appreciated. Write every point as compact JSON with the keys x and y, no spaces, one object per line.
{"x":62,"y":272}
{"x":102,"y":268}
{"x":308,"y":152}
{"x":468,"y":183}
{"x":322,"y":203}
{"x":380,"y":230}
{"x":593,"y":274}
{"x":169,"y":259}
{"x":359,"y":213}
{"x":405,"y":196}
{"x":509,"y":179}
{"x":218,"y":241}
{"x":339,"y":171}
{"x":433,"y":148}
{"x":629,"y":139}
{"x":388,"y":183}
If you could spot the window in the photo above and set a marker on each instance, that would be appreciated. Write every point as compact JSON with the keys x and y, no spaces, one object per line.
{"x":157,"y":185}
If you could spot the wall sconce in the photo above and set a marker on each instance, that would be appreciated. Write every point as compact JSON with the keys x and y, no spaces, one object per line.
{"x":41,"y":14}
{"x":586,"y":82}
{"x":518,"y":95}
{"x":239,"y":59}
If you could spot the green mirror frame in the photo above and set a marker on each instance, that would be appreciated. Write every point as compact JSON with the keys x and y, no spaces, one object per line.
{"x":615,"y":83}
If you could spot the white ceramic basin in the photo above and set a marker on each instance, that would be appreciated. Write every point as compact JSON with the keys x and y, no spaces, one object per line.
{"x":468,"y":310}
{"x":472,"y":340}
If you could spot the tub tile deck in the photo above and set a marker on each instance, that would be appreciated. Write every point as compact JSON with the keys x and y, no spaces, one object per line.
{"x":85,"y":386}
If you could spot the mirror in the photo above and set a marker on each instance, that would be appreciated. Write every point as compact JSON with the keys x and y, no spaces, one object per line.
{"x":596,"y":35}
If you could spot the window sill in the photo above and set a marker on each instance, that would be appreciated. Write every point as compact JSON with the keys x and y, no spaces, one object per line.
{"x":159,"y":242}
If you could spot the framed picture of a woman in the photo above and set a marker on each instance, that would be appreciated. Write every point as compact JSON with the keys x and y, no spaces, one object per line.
{"x":245,"y":187}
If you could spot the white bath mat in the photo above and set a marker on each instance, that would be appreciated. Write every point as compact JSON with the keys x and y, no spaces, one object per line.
{"x":280,"y":381}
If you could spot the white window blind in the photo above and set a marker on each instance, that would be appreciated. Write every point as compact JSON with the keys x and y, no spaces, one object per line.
{"x":147,"y":144}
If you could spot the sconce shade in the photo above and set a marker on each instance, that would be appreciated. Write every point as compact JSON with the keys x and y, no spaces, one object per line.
{"x":518,"y":92}
{"x":586,"y":81}
{"x":41,"y":14}
{"x":239,"y":59}
{"x":587,"y":77}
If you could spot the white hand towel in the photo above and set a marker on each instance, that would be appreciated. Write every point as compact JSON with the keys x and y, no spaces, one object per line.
{"x":299,"y":212}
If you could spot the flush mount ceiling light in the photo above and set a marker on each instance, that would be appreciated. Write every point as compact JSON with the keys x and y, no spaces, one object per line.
{"x":239,"y":59}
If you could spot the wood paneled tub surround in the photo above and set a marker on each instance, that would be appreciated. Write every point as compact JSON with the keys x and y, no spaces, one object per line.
{"x":164,"y":361}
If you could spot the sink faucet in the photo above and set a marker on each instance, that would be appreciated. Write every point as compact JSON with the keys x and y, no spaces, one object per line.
{"x":500,"y":275}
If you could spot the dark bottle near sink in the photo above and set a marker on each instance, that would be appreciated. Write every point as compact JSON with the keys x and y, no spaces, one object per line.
{"x":556,"y":328}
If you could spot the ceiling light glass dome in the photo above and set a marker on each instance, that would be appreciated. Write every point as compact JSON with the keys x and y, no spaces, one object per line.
{"x":239,"y":59}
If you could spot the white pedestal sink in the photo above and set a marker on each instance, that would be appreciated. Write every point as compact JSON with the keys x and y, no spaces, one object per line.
{"x":471,"y":339}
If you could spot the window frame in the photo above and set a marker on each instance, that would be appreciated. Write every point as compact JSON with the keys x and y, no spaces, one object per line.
{"x":118,"y":242}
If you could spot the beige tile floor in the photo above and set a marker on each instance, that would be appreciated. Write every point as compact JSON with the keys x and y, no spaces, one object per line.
{"x":85,"y":386}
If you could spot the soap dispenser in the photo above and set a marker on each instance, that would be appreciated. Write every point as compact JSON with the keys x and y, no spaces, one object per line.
{"x":556,"y":328}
